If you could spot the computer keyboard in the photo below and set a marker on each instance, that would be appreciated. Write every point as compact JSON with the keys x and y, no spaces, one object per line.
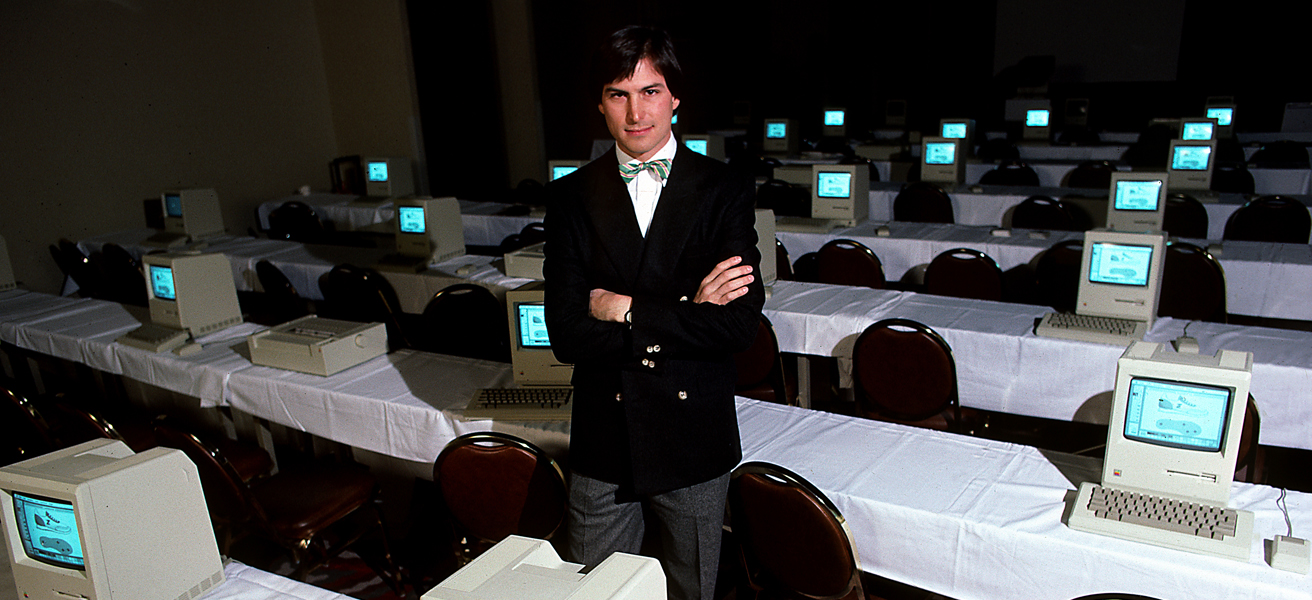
{"x":1184,"y":525}
{"x":521,"y":404}
{"x":155,"y":338}
{"x":1102,"y":330}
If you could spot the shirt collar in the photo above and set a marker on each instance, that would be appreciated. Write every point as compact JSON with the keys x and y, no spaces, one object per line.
{"x":666,"y":151}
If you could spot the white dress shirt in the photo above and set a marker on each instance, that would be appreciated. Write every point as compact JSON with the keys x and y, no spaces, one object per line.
{"x":645,"y":189}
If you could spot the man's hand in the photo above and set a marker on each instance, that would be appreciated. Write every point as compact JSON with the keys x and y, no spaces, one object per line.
{"x":608,"y":306}
{"x":725,"y":282}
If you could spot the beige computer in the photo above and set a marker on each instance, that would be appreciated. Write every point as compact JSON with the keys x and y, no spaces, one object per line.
{"x":428,"y":231}
{"x":190,"y":295}
{"x":1137,"y":201}
{"x":1120,"y":285}
{"x":190,"y":215}
{"x":542,"y":389}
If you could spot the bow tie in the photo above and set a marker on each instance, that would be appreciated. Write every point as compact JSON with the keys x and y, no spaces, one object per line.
{"x":659,"y":168}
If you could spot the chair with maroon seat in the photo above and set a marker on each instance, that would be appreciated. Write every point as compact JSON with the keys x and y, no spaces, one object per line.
{"x":848,"y":262}
{"x":964,"y":273}
{"x":904,"y":372}
{"x":761,"y":368}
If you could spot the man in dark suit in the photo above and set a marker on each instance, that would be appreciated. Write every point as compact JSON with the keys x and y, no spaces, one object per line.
{"x":650,"y":262}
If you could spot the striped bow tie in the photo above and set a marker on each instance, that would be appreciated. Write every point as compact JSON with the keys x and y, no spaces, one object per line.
{"x":660,"y":168}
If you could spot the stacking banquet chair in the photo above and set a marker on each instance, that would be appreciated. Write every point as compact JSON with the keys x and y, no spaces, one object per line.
{"x":923,"y":202}
{"x":1193,"y":284}
{"x":495,"y":485}
{"x":465,"y":319}
{"x":761,"y":368}
{"x":1057,"y":275}
{"x":783,"y":265}
{"x":1185,"y":217}
{"x":313,"y":512}
{"x":1232,"y":178}
{"x":1250,"y":464}
{"x":1114,"y":596}
{"x":296,"y":221}
{"x":280,"y":301}
{"x":1091,"y":174}
{"x":964,"y":273}
{"x":121,"y":274}
{"x":24,"y":431}
{"x":361,"y":294}
{"x":1043,"y":212}
{"x":75,"y":421}
{"x":1270,"y":219}
{"x":848,"y":262}
{"x":793,"y":542}
{"x":1011,"y":172}
{"x":1280,"y":154}
{"x":77,"y":266}
{"x":903,"y":372}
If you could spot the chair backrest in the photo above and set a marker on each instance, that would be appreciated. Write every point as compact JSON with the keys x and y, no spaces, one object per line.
{"x":760,"y":367}
{"x":1193,"y":284}
{"x":1185,"y":216}
{"x":228,"y":498}
{"x":1057,"y":275}
{"x":465,"y":319}
{"x":360,"y":294}
{"x":1043,"y":212}
{"x":295,"y":220}
{"x":1270,"y":219}
{"x":1280,"y":154}
{"x":783,"y":266}
{"x":1091,"y":174}
{"x":76,"y":265}
{"x":964,"y":273}
{"x":1011,"y":172}
{"x":24,"y":430}
{"x":121,"y":273}
{"x":794,"y":541}
{"x":861,"y":160}
{"x":998,"y":148}
{"x":923,"y":202}
{"x":1232,"y":178}
{"x":847,"y":262}
{"x":903,"y":370}
{"x":1248,"y":464}
{"x":496,"y":484}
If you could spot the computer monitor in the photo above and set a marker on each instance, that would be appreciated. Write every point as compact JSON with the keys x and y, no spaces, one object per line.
{"x":518,"y":565}
{"x":6,"y":268}
{"x":833,"y":122}
{"x":779,"y":137}
{"x":840,"y":193}
{"x":1224,"y":113}
{"x":388,"y":177}
{"x":429,"y":228}
{"x":1197,"y":130}
{"x":707,"y":144}
{"x":1136,"y":201}
{"x":560,"y":168}
{"x":1176,"y":421}
{"x":1038,"y":124}
{"x":97,"y":521}
{"x":765,"y":244}
{"x":1190,"y":165}
{"x":1121,"y":274}
{"x":959,"y":129}
{"x":531,"y":359}
{"x":191,"y":291}
{"x":942,"y":160}
{"x":194,"y":213}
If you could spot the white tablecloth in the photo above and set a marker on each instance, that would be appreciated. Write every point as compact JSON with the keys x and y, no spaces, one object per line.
{"x":347,"y":215}
{"x":972,"y":518}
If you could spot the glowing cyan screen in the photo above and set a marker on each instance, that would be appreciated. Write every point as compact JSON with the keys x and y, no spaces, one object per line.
{"x":48,"y":530}
{"x":161,"y":282}
{"x":1200,"y":131}
{"x":410,"y":219}
{"x":533,"y":326}
{"x":834,"y":118}
{"x":1120,"y":264}
{"x":956,"y":131}
{"x":1177,"y":414}
{"x":1191,"y":158}
{"x":1036,"y":118}
{"x":376,"y":171}
{"x":1222,"y":115}
{"x":558,"y":172}
{"x":173,"y":205}
{"x":833,"y":185}
{"x":698,"y":146}
{"x":1138,"y":195}
{"x":776,"y":131}
{"x":940,"y":153}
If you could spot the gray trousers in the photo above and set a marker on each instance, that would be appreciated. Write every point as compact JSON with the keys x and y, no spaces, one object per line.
{"x":690,"y":519}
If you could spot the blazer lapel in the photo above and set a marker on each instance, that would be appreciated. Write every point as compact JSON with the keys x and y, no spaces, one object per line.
{"x":679,"y":204}
{"x":611,"y":211}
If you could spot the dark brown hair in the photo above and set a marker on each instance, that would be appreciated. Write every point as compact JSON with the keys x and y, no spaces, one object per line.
{"x":619,"y":56}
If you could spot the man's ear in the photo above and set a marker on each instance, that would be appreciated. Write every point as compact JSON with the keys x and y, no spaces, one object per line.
{"x":676,"y":104}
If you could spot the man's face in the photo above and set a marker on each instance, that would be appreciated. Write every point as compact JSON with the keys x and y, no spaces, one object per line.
{"x":639,"y":110}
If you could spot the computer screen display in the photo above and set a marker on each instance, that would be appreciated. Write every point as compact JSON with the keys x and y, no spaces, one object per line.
{"x":1120,"y":264}
{"x":1223,"y":115}
{"x":560,"y":171}
{"x":833,"y":185}
{"x":939,"y":153}
{"x":172,"y":205}
{"x":410,"y":219}
{"x":1177,"y":414}
{"x":1036,"y":117}
{"x":376,"y":171}
{"x":1196,"y":131}
{"x":161,"y":282}
{"x":1138,"y":195}
{"x":776,"y":131}
{"x":955,"y":131}
{"x":532,"y":326}
{"x":1191,"y":158}
{"x":834,"y":118}
{"x":698,"y":146}
{"x":48,"y":531}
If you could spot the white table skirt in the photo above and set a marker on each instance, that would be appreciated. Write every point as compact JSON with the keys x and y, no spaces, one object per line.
{"x":973,"y":518}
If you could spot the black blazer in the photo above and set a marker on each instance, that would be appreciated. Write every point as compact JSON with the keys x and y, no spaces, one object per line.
{"x":653,"y":402}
